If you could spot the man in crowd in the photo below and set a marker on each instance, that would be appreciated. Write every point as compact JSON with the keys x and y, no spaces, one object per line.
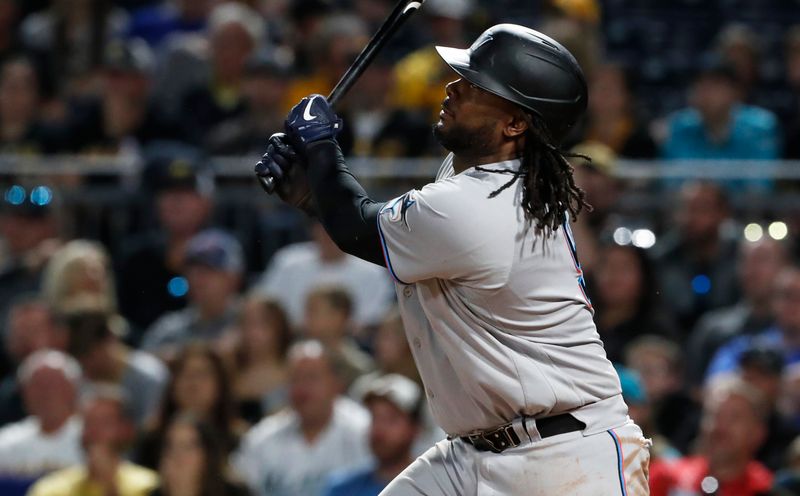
{"x":49,"y":438}
{"x":30,"y":327}
{"x":295,"y":451}
{"x":733,"y":428}
{"x":107,"y":431}
{"x":213,"y":266}
{"x":395,"y":404}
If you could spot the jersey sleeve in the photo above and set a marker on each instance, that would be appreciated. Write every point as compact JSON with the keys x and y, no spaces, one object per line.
{"x":436,"y":232}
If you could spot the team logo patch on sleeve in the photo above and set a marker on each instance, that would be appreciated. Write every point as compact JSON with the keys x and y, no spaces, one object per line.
{"x":395,"y":210}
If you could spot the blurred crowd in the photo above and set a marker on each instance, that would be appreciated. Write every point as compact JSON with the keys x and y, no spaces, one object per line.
{"x":177,"y":356}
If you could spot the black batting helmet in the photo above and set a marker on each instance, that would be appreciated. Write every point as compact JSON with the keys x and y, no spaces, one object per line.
{"x":527,"y":68}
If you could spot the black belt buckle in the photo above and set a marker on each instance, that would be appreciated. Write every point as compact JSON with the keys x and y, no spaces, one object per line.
{"x":496,"y":441}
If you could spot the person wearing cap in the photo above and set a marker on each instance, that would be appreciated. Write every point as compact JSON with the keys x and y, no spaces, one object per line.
{"x":151,"y":264}
{"x":718,"y":126}
{"x":95,"y":340}
{"x":395,"y":404}
{"x":264,"y":86}
{"x":596,"y":178}
{"x":487,"y":276}
{"x":123,"y":119}
{"x":213,"y":267}
{"x":29,"y":235}
{"x":295,"y":451}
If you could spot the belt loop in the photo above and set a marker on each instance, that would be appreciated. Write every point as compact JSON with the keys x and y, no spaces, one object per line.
{"x":529,"y":426}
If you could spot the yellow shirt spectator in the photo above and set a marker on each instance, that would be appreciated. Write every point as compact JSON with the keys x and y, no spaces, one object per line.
{"x":131,"y":480}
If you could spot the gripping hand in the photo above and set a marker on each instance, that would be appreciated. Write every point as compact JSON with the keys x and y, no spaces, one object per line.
{"x":280,"y":170}
{"x":311,"y":120}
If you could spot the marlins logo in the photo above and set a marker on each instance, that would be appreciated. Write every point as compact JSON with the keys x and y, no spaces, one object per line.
{"x":396,"y":209}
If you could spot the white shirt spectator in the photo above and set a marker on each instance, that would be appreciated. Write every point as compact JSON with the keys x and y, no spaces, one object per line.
{"x":25,"y":451}
{"x":276,"y":460}
{"x":297,"y":269}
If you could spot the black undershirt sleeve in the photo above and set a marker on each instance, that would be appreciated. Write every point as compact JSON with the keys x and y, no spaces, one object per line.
{"x":349,"y":216}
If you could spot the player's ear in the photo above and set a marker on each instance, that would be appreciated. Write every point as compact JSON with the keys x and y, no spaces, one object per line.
{"x":515,"y":126}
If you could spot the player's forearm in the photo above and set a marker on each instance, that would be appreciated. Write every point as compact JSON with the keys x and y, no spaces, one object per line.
{"x":348,"y":214}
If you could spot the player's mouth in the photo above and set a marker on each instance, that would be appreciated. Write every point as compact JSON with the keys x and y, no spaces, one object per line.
{"x":445,"y":109}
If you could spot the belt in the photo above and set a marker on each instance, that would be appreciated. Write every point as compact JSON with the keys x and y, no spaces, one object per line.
{"x":504,"y":437}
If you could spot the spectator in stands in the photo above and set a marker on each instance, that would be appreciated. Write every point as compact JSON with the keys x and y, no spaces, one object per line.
{"x":79,"y":271}
{"x":759,"y":264}
{"x":380,"y":129}
{"x":107,"y":430}
{"x":783,"y":337}
{"x":194,"y":461}
{"x":122,"y":119}
{"x":256,"y":351}
{"x":328,"y":320}
{"x":787,"y":481}
{"x":49,"y":438}
{"x":612,"y":119}
{"x":160,"y":21}
{"x":596,"y":179}
{"x":235,"y":32}
{"x":789,"y":397}
{"x":674,"y":414}
{"x":333,"y":46}
{"x":266,"y":81}
{"x":641,"y":411}
{"x":22,"y":129}
{"x":421,"y":75}
{"x":626,"y":299}
{"x":200,"y":387}
{"x":69,"y":38}
{"x":296,"y":269}
{"x":718,"y":126}
{"x":762,"y":368}
{"x":741,"y":46}
{"x":10,"y":15}
{"x":693,"y":259}
{"x":792,"y":70}
{"x":395,"y":404}
{"x":732,"y":430}
{"x":392,"y":354}
{"x":213,"y":266}
{"x":29,"y":234}
{"x":322,"y":431}
{"x":151,"y":263}
{"x":94,"y":339}
{"x":30,"y":327}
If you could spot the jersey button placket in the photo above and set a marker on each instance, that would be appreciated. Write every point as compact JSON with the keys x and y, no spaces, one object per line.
{"x":417,"y":343}
{"x":407,"y":292}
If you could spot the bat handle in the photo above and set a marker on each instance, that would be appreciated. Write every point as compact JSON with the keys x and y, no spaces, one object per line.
{"x":268,"y":183}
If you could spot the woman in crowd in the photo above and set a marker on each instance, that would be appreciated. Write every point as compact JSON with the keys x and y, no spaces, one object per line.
{"x":199,"y":387}
{"x":194,"y":461}
{"x":256,"y":350}
{"x":626,"y":299}
{"x":80,"y":271}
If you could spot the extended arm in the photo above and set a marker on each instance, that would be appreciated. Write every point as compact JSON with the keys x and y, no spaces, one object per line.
{"x":343,"y":207}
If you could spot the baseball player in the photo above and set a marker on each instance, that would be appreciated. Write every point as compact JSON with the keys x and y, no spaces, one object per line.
{"x":488,"y":281}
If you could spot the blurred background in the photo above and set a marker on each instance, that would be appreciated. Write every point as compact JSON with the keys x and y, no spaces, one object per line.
{"x":167,"y":328}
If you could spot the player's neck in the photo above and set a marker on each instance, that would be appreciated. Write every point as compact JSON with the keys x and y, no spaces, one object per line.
{"x":463,"y":162}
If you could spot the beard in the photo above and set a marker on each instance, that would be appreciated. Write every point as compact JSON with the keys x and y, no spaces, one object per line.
{"x":464,"y":141}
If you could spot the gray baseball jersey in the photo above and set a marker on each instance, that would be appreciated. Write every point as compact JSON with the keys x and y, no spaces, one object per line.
{"x":494,"y":310}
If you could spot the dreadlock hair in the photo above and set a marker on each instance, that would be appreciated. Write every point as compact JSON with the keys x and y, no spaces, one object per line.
{"x":549,"y":191}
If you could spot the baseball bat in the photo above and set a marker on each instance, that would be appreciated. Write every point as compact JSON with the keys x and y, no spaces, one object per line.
{"x":402,"y":11}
